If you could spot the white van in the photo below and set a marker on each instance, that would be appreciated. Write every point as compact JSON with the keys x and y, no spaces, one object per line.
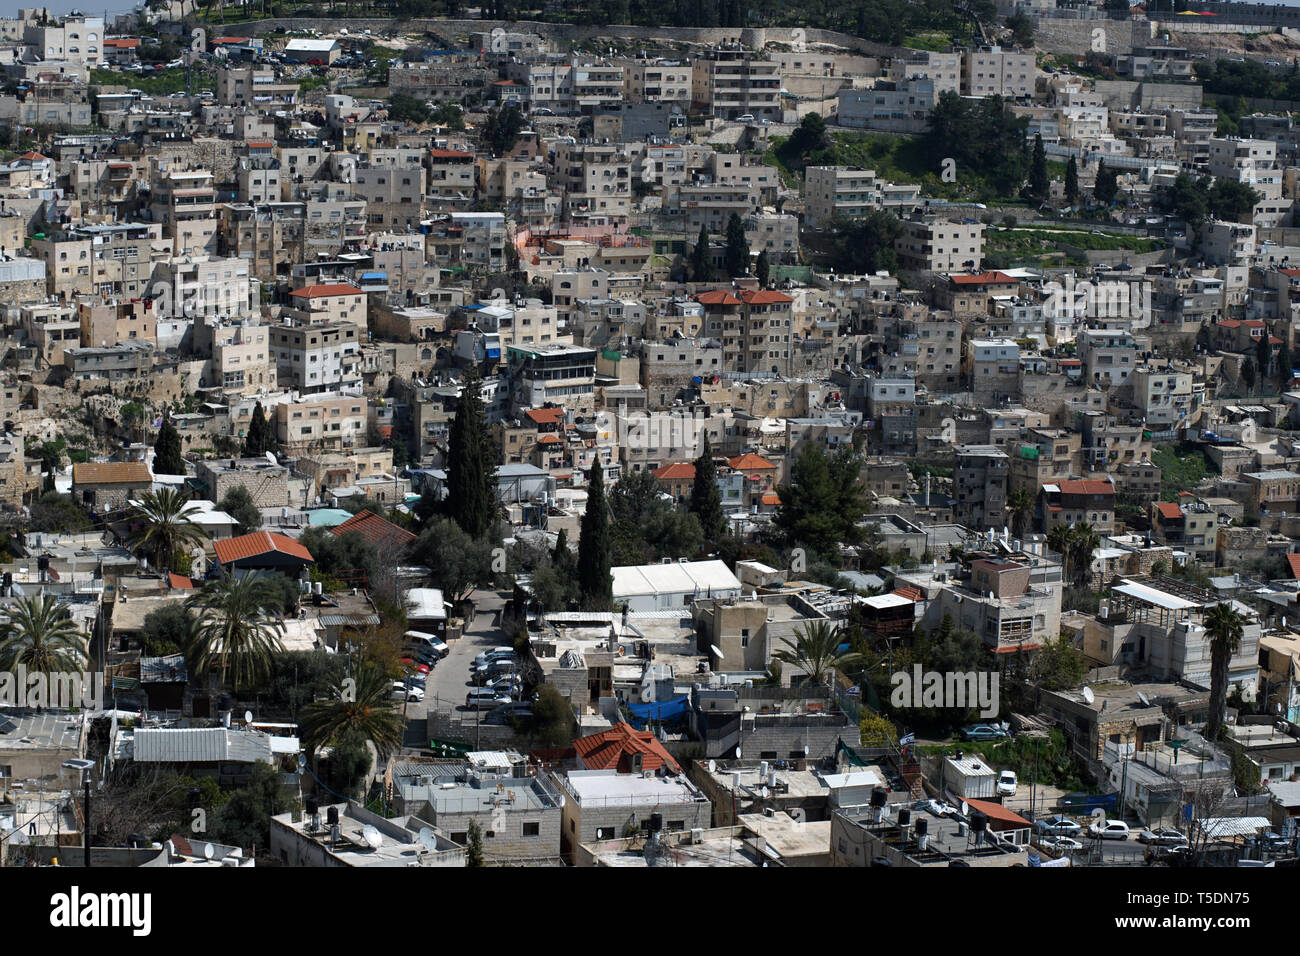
{"x":421,"y":639}
{"x":485,"y":698}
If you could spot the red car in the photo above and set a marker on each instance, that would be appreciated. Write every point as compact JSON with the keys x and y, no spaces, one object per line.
{"x":412,"y":665}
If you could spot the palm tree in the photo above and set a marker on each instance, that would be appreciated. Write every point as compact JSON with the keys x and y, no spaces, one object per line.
{"x":816,"y":651}
{"x":1083,"y":545}
{"x":239,"y":627}
{"x":364,"y":707}
{"x":1059,"y":538}
{"x":41,"y":636}
{"x":165,"y":528}
{"x":1021,"y":505}
{"x":1225,"y":629}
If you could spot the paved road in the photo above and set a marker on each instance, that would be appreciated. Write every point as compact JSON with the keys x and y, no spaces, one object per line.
{"x":449,"y":682}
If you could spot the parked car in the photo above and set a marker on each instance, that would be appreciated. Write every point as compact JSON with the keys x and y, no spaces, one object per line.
{"x":1060,"y":843}
{"x":1170,"y":855}
{"x":506,"y":685}
{"x":1109,"y":830}
{"x":1162,"y":836}
{"x":1007,"y":783}
{"x":745,"y":118}
{"x":414,"y":665}
{"x":983,"y":732}
{"x":483,"y":698}
{"x":1057,"y":826}
{"x":482,"y":657}
{"x":1268,"y":840}
{"x":402,"y":692}
{"x":421,"y":639}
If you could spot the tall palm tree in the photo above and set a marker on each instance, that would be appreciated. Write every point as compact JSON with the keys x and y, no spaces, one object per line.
{"x":1059,"y":538}
{"x":41,"y":636}
{"x":1083,"y":545}
{"x":1225,"y":628}
{"x":1021,"y":505}
{"x":365,"y":708}
{"x":239,"y":627}
{"x":164,"y":527}
{"x":815,"y":651}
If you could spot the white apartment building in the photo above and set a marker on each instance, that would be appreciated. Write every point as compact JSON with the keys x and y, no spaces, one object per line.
{"x":994,"y":71}
{"x":940,"y":245}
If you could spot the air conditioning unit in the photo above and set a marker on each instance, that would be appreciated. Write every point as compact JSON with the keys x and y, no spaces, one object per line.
{"x":697,"y":835}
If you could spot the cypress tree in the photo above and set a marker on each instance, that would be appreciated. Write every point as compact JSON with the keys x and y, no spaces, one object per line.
{"x":471,"y":472}
{"x":1039,"y":184}
{"x":1104,"y":189}
{"x":737,"y":254}
{"x":1072,"y":180}
{"x":167,"y":458}
{"x":1284,"y":362}
{"x":701,"y":258}
{"x":763,"y":269}
{"x":259,"y":439}
{"x":706,"y":499}
{"x":595,"y":583}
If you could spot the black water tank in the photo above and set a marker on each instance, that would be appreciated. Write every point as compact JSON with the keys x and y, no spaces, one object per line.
{"x":879,"y":798}
{"x":922,"y":826}
{"x":979,"y":822}
{"x":656,"y":822}
{"x":313,"y":806}
{"x":332,"y":816}
{"x":904,"y":817}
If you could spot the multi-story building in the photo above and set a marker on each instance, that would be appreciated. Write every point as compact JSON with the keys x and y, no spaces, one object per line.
{"x":995,"y":369}
{"x":328,"y":421}
{"x":754,"y":327}
{"x":980,"y":486}
{"x":993,"y":71}
{"x":852,"y":191}
{"x":730,"y":81}
{"x":657,"y":81}
{"x":319,"y":357}
{"x":542,"y":373}
{"x":1072,"y":502}
{"x":940,"y":245}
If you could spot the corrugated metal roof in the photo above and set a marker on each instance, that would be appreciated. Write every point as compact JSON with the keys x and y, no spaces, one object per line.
{"x":111,"y":473}
{"x":200,"y":745}
{"x":349,"y":620}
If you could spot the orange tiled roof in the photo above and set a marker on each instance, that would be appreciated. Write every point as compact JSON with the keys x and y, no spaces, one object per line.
{"x":717,"y":297}
{"x":764,"y":297}
{"x":1294,"y":561}
{"x":549,"y":439}
{"x":1169,"y":509}
{"x":677,"y":471}
{"x":544,"y":416}
{"x":996,"y":811}
{"x":771,"y":498}
{"x":180,"y":581}
{"x":982,"y":278}
{"x":749,"y":462}
{"x":377,"y":530}
{"x":1087,"y":486}
{"x":257,"y":543}
{"x":333,"y":288}
{"x":610,"y":750}
{"x":911,"y":593}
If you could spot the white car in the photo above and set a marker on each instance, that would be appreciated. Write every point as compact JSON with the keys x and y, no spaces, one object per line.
{"x":1007,"y":783}
{"x":402,"y":692}
{"x":1061,"y":843}
{"x":1109,"y":830}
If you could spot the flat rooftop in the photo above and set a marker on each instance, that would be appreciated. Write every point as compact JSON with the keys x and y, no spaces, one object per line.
{"x":608,"y":786}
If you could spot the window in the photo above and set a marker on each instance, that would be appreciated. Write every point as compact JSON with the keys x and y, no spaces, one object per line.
{"x":460,"y":838}
{"x":604,"y":833}
{"x":532,"y":829}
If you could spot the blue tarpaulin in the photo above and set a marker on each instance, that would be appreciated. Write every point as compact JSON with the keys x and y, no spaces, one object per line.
{"x":662,"y":710}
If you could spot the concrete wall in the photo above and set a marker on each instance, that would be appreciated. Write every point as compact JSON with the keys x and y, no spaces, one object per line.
{"x":1057,"y":35}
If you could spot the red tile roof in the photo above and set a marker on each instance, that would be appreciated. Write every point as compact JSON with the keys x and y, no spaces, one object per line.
{"x":180,"y":581}
{"x":1088,"y":486}
{"x":245,"y":546}
{"x":377,"y":530}
{"x":122,"y":43}
{"x":333,"y":288}
{"x":544,"y":416}
{"x":449,"y":154}
{"x":911,"y":593}
{"x":771,"y":498}
{"x":677,"y":471}
{"x":550,"y":439}
{"x":1169,"y":509}
{"x":749,"y":462}
{"x":996,"y":811}
{"x":717,"y":297}
{"x":982,"y":278}
{"x":610,"y":750}
{"x":764,"y":297}
{"x":1294,"y":561}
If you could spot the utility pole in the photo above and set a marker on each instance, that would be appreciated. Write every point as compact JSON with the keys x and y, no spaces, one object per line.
{"x":86,"y":822}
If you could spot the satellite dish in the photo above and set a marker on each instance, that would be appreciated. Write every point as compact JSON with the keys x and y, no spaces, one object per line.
{"x":427,"y":839}
{"x":717,"y":651}
{"x":1088,"y":696}
{"x":302,"y":762}
{"x":965,"y":809}
{"x":737,"y":751}
{"x":372,"y":836}
{"x":713,"y":766}
{"x":270,"y":456}
{"x":207,"y":851}
{"x":248,"y":716}
{"x":1143,"y":697}
{"x":18,"y":838}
